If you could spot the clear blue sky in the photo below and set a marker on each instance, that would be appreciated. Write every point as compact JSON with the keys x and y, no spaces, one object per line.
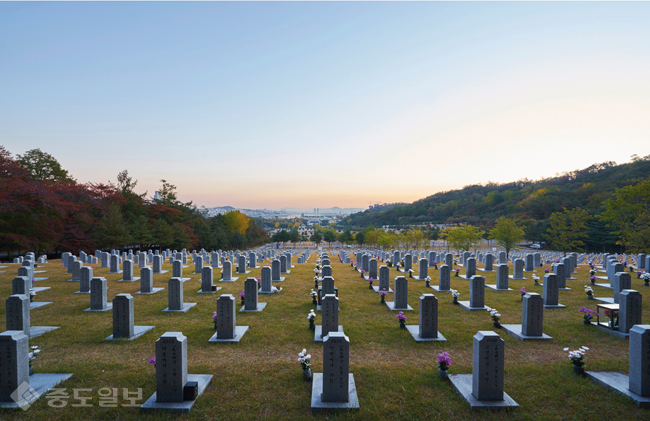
{"x":324,"y":104}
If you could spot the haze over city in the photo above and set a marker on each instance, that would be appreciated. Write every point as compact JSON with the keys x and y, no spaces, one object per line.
{"x":268,"y":105}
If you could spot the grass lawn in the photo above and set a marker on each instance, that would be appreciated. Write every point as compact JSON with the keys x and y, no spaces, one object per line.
{"x":260,"y":377}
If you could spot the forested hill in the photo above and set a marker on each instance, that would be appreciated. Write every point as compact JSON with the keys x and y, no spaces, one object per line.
{"x":526,"y":200}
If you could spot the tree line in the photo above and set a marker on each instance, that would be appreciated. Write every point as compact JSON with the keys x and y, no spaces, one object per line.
{"x":43,"y":209}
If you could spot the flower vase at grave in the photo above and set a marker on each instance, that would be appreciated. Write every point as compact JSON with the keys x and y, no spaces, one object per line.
{"x":306,"y":373}
{"x":428,"y":286}
{"x":370,"y":285}
{"x":497,"y":325}
{"x":312,"y":325}
{"x":579,"y":370}
{"x":442,"y":373}
{"x":455,"y":300}
{"x":313,"y":301}
{"x":587,"y":322}
{"x":402,"y":324}
{"x":383,"y":299}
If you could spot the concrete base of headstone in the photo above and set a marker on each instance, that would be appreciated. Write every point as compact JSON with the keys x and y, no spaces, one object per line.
{"x":604,"y":286}
{"x":269,"y":292}
{"x":233,"y":279}
{"x":209,"y":292}
{"x":616,"y":333}
{"x":185,"y":309}
{"x":555,"y":306}
{"x":483,"y":270}
{"x":466,"y":306}
{"x":608,"y":300}
{"x":417,"y":278}
{"x":391,"y":306}
{"x":40,"y":271}
{"x":529,"y":271}
{"x":153,"y":291}
{"x":161,"y":272}
{"x":376,"y":289}
{"x":38,"y":304}
{"x":239,"y":332}
{"x":119,"y":271}
{"x":185,"y":279}
{"x":619,"y":383}
{"x":414,"y":330}
{"x":462,"y":383}
{"x":238,"y":273}
{"x":517,"y":279}
{"x":74,"y":280}
{"x":260,"y":307}
{"x":137,"y":332}
{"x":564,"y":289}
{"x":515,"y":330}
{"x":178,"y":407}
{"x":35,"y":331}
{"x":317,"y":405}
{"x":254,"y":267}
{"x":42,"y":279}
{"x":41,"y":383}
{"x":437,"y":288}
{"x":494,"y":287}
{"x":462,"y":276}
{"x":287,"y":271}
{"x":604,"y":278}
{"x":109,"y":307}
{"x":132,"y":280}
{"x":39,"y":289}
{"x":319,"y":331}
{"x":280,"y":280}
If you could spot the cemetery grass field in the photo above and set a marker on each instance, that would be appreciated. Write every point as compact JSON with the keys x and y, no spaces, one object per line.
{"x":260,"y":377}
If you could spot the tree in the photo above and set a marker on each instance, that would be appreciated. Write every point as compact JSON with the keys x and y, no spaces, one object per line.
{"x":463,"y":237}
{"x":629,"y":215}
{"x":236,"y":221}
{"x":294,"y":236}
{"x":567,"y":229}
{"x":345,"y":237}
{"x":330,"y":236}
{"x":281,"y":236}
{"x":360,"y":237}
{"x":507,"y":234}
{"x":316,"y":237}
{"x":43,"y":166}
{"x":112,"y":231}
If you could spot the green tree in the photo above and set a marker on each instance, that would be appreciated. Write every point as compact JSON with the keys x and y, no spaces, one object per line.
{"x":345,"y":237}
{"x":629,"y":215}
{"x":567,"y":229}
{"x":360,"y":237}
{"x":162,"y":233}
{"x":43,"y":166}
{"x":112,"y":230}
{"x":294,"y":236}
{"x":330,"y":236}
{"x":462,"y":238}
{"x":316,"y":237}
{"x":507,"y":234}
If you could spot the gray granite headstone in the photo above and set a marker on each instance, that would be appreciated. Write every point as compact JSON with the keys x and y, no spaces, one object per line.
{"x":326,"y":271}
{"x":177,"y":269}
{"x":275,"y":270}
{"x":86,"y":276}
{"x":558,"y":269}
{"x":489,"y":262}
{"x":487,"y":366}
{"x":621,"y":281}
{"x":532,"y":315}
{"x":146,"y":279}
{"x":115,"y":264}
{"x":175,"y":293}
{"x":502,"y":276}
{"x":226,"y":317}
{"x":383,"y":278}
{"x":198,"y":264}
{"x":476,"y":291}
{"x":639,"y":361}
{"x":408,"y":262}
{"x":206,"y":279}
{"x":171,"y":367}
{"x":503,"y":257}
{"x":328,"y":286}
{"x":14,"y":370}
{"x":127,"y":271}
{"x":401,"y":292}
{"x":76,"y":270}
{"x":470,"y":267}
{"x":530,"y":264}
{"x":428,"y":316}
{"x":266,"y":279}
{"x":336,"y":367}
{"x":283,"y":263}
{"x":21,"y":285}
{"x":226,"y":271}
{"x":98,"y":294}
{"x":17,"y":307}
{"x":123,"y":316}
{"x":518,"y":269}
{"x":423,"y":269}
{"x":250,"y":294}
{"x":449,"y":260}
{"x":330,"y":314}
{"x":372,"y":272}
{"x":630,"y":310}
{"x":550,"y":290}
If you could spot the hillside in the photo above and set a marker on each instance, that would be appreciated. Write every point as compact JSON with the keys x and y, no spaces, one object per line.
{"x":532,"y":202}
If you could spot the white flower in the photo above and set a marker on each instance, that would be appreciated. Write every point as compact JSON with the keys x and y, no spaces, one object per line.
{"x":566,"y":349}
{"x":35,"y":347}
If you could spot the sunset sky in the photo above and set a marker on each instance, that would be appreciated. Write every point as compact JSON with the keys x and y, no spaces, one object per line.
{"x":300,"y":104}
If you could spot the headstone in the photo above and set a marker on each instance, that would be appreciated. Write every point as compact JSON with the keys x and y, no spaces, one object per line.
{"x":175,"y":297}
{"x":621,"y":281}
{"x":558,"y":269}
{"x":241,"y":264}
{"x":226,"y":317}
{"x":266,"y":279}
{"x":449,"y":260}
{"x":76,"y":270}
{"x":530,"y":264}
{"x":550,"y":290}
{"x":428,"y":316}
{"x":408,"y":262}
{"x":476,"y":292}
{"x":21,"y":285}
{"x":157,"y":264}
{"x":444,"y":278}
{"x":487,"y":366}
{"x":275,"y":270}
{"x":630,"y":310}
{"x":328,"y":286}
{"x":470,"y":267}
{"x":283,"y":263}
{"x":226,"y":271}
{"x":146,"y":280}
{"x":98,"y":294}
{"x":115,"y":264}
{"x":206,"y":279}
{"x":336,"y":368}
{"x":532,"y":316}
{"x":518,"y":269}
{"x":423,"y":269}
{"x":14,"y":369}
{"x":86,"y":275}
{"x":639,"y":360}
{"x":127,"y":271}
{"x":383,"y":278}
{"x":171,"y":367}
{"x":17,"y":307}
{"x":502,"y":276}
{"x":123,"y":316}
{"x":330,"y":314}
{"x":326,"y":271}
{"x":503,"y":257}
{"x":177,"y":269}
{"x":401,"y":292}
{"x":250,"y":294}
{"x":372,"y":272}
{"x":489,"y":262}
